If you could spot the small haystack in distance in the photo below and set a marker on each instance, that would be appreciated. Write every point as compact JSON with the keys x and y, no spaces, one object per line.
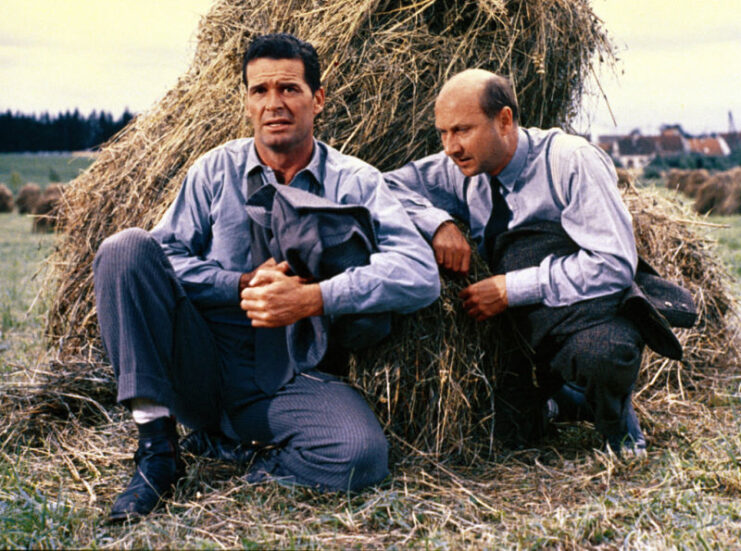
{"x":687,"y":181}
{"x":46,"y":210}
{"x":720,"y":194}
{"x":6,"y":199}
{"x":28,"y":197}
{"x":384,"y":61}
{"x":625,"y":178}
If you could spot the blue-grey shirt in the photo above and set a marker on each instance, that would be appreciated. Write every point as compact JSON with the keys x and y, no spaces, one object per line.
{"x":584,"y":198}
{"x":206,"y":234}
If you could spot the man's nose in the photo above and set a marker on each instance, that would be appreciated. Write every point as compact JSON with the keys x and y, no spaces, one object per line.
{"x":274,"y":102}
{"x":451,"y":146}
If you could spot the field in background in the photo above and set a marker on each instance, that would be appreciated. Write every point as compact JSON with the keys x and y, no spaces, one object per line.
{"x":38,"y":167}
{"x":685,"y":496}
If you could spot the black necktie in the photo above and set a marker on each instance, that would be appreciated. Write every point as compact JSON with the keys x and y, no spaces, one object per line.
{"x":498,"y":219}
{"x":271,"y":349}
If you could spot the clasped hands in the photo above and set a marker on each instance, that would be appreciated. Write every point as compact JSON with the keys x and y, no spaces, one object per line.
{"x":272,"y":298}
{"x":481,"y":300}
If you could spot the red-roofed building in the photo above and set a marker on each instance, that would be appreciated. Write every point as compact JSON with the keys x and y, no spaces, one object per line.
{"x":712,"y":147}
{"x":733,"y":139}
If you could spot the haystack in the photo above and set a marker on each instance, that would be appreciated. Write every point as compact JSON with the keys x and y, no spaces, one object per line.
{"x":28,"y":197}
{"x":720,"y":194}
{"x":45,"y":211}
{"x":6,"y":199}
{"x":687,"y":181}
{"x":625,"y":178}
{"x":384,"y":62}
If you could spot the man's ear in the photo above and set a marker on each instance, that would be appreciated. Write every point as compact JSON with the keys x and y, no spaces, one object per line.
{"x":505,"y":120}
{"x":318,"y":101}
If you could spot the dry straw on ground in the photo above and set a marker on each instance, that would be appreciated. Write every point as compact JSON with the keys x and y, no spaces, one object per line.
{"x":28,"y":197}
{"x":6,"y":199}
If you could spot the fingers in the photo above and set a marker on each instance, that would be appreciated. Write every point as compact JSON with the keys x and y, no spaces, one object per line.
{"x":265,"y":276}
{"x":466,"y":260}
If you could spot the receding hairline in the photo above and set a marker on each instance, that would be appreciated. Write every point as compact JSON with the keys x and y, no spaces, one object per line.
{"x":481,"y":81}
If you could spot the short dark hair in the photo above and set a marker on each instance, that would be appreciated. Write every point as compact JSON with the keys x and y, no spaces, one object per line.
{"x":285,"y":46}
{"x":499,"y":92}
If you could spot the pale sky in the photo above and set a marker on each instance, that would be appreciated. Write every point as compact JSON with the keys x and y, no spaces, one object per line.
{"x":680,"y":60}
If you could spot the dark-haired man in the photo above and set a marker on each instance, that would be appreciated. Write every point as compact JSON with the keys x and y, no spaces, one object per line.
{"x":544,"y":208}
{"x":186,"y":311}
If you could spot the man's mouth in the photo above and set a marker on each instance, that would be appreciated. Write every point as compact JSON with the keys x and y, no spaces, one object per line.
{"x":277,"y":124}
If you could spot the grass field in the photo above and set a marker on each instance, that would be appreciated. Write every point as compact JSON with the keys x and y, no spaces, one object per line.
{"x":61,"y":466}
{"x":35,"y":167}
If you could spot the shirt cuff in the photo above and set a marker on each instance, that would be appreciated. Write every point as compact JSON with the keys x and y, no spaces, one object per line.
{"x":336,"y":296}
{"x":227,"y":287}
{"x":523,"y":287}
{"x":430,"y":221}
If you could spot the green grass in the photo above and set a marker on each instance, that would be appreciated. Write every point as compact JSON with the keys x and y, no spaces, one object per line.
{"x":21,"y":257}
{"x":36,"y":167}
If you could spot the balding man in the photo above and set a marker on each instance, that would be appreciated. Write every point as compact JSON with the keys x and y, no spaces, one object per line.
{"x":544,"y":209}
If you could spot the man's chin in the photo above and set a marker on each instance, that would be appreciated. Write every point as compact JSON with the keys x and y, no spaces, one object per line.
{"x":279,"y":144}
{"x":469,"y":169}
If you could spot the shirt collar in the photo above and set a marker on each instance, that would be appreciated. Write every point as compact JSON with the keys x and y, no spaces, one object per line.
{"x":315,"y":166}
{"x":512,"y":171}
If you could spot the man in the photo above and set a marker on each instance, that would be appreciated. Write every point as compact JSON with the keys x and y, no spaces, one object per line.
{"x":181,"y":309}
{"x":544,"y":209}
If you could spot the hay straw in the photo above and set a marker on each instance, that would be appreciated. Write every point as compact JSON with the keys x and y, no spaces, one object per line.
{"x":384,"y":61}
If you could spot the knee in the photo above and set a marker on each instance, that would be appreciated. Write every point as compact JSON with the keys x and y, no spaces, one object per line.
{"x":123,"y":251}
{"x":362,"y":458}
{"x":615,"y":364}
{"x":368,"y":461}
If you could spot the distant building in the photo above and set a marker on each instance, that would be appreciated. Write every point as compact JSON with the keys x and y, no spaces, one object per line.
{"x":733,"y":139}
{"x":671,"y":141}
{"x":634,"y":151}
{"x":714,"y":146}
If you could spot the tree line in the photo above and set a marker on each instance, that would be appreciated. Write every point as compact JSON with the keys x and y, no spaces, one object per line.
{"x":67,"y":131}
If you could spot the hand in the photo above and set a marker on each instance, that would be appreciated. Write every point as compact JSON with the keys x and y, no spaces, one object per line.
{"x":274,"y":299}
{"x":485,"y":298}
{"x":452,"y":251}
{"x":244,"y":279}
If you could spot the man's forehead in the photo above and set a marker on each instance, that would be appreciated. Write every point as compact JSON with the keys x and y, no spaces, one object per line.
{"x":456,"y":104}
{"x":266,"y":68}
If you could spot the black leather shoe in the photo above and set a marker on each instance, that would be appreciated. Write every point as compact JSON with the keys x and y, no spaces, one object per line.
{"x":633,"y":442}
{"x":158,"y":467}
{"x":571,"y":404}
{"x":214,"y":445}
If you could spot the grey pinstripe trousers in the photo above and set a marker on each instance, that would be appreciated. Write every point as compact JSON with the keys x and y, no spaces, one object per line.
{"x":162,"y":348}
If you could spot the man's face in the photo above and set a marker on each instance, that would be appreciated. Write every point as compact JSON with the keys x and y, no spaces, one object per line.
{"x":280,"y":104}
{"x":471,"y":139}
